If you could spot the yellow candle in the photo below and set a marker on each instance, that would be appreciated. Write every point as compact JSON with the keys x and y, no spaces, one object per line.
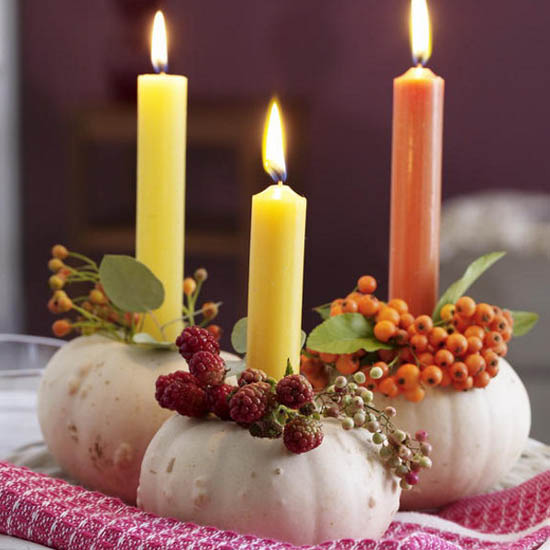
{"x":162,"y":119}
{"x":276,"y":264}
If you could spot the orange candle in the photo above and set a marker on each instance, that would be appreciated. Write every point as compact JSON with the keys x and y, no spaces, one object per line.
{"x":416,"y":174}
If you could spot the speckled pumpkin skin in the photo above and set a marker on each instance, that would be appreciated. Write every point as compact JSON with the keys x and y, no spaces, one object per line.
{"x":98,"y":413}
{"x":215,"y":473}
{"x":477,"y":437}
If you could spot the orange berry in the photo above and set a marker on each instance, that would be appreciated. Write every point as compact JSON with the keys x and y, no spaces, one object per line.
{"x":458,"y":371}
{"x":501,"y":350}
{"x":399,"y":305}
{"x":500,"y":324}
{"x":189,"y":286}
{"x":388,"y":387}
{"x":507,"y":334}
{"x":446,"y":379}
{"x":444,"y":358}
{"x":492,"y":370}
{"x":447,"y":312}
{"x":315,"y":372}
{"x":465,"y":307}
{"x":407,"y":376}
{"x":346,"y":364}
{"x":312,"y":352}
{"x":401,"y":337}
{"x":366,"y":284}
{"x":437,"y":337}
{"x":482,"y":379}
{"x":60,"y":252}
{"x":336,"y":310}
{"x":474,"y":344}
{"x":423,"y":324}
{"x":491,"y":358}
{"x":484,"y":314}
{"x":406,"y":320}
{"x":328,"y":357}
{"x":460,"y":323}
{"x":384,"y":330}
{"x":475,"y":364}
{"x":464,"y":385}
{"x":388,"y":314}
{"x":415,"y":395}
{"x":412,"y":331}
{"x":337,"y":302}
{"x":419,"y":343}
{"x":356,"y":296}
{"x":209,"y":310}
{"x":432,"y":375}
{"x":349,"y":306}
{"x":475,"y":330}
{"x":216,"y":331}
{"x":97,"y":297}
{"x":493,"y":339}
{"x":426,"y":359}
{"x":62,"y":327}
{"x":368,"y":305}
{"x":457,"y":344}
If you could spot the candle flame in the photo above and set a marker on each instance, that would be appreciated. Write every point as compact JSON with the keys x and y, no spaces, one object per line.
{"x":273,"y":150}
{"x":159,"y":48}
{"x":421,"y":35}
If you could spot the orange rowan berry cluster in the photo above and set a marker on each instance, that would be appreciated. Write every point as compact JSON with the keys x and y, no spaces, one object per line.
{"x":461,"y":351}
{"x":94,"y":312}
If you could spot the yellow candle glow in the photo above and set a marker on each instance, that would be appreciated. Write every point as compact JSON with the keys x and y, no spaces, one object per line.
{"x":276,"y":263}
{"x":162,"y":123}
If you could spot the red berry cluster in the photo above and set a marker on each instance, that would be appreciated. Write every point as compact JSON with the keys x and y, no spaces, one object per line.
{"x":460,"y":351}
{"x":201,"y":390}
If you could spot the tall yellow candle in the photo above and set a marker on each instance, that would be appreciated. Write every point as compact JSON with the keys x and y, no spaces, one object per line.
{"x":276,"y":263}
{"x":162,"y":124}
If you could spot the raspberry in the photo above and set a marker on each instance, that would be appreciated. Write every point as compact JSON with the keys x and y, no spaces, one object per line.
{"x":218,"y":399}
{"x":208,"y":369}
{"x":180,"y":391}
{"x":248,"y":376}
{"x":250,"y":402}
{"x":302,"y":435}
{"x":193,"y":339}
{"x":294,"y":391}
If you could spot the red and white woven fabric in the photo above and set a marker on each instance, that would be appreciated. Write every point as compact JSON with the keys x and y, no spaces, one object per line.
{"x":51,"y":512}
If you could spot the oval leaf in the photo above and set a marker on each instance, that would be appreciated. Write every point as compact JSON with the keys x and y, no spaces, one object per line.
{"x":471,"y":275}
{"x":524,"y":321}
{"x":238,"y":335}
{"x":129,"y":284}
{"x":346,"y":333}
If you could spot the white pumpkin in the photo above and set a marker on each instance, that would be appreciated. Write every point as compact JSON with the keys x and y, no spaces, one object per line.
{"x":477,"y":437}
{"x":97,"y":410}
{"x":215,"y":473}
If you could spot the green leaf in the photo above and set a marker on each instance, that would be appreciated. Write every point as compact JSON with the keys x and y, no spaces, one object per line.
{"x":238,"y":335}
{"x":471,"y":275}
{"x":235,"y":367}
{"x":145,"y":339}
{"x":129,"y":284}
{"x":289,"y":370}
{"x":524,"y":321}
{"x":346,"y":333}
{"x":323,"y":311}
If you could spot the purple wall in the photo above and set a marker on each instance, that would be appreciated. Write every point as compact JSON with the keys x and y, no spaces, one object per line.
{"x":339,"y":58}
